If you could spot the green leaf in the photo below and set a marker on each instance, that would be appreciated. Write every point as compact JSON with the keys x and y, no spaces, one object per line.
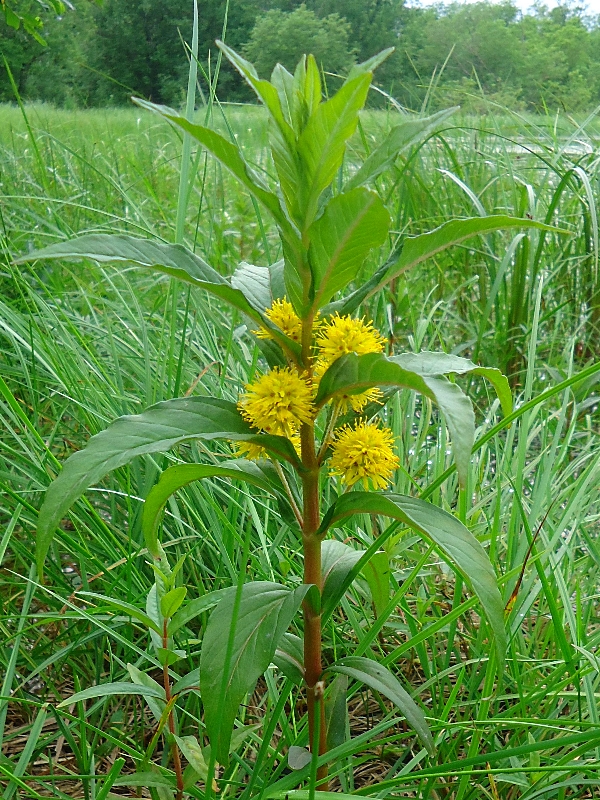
{"x":336,"y":712}
{"x":377,"y":574}
{"x":351,"y":225}
{"x":260,"y":474}
{"x":399,"y":138}
{"x":427,"y":364}
{"x":140,"y":678}
{"x":254,"y":283}
{"x":459,"y":416}
{"x":281,"y":133}
{"x":172,"y":600}
{"x":349,"y":304}
{"x":264,"y":614}
{"x":246,"y":291}
{"x":157,"y":429}
{"x":352,"y":374}
{"x":456,"y":543}
{"x":371,"y":64}
{"x":11,"y":18}
{"x":145,"y":780}
{"x":230,"y":156}
{"x":108,"y":689}
{"x":289,"y":657}
{"x":125,"y":608}
{"x":416,"y":249}
{"x":168,"y":657}
{"x":380,"y":679}
{"x":322,"y":143}
{"x":194,"y":608}
{"x":189,"y":681}
{"x":337,"y":561}
{"x":172,"y":259}
{"x":298,"y":757}
{"x":283,"y":81}
{"x":194,"y":755}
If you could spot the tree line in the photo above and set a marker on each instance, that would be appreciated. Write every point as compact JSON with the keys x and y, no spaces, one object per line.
{"x":100,"y":54}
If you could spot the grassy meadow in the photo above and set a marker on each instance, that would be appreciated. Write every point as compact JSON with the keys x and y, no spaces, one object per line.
{"x":81,"y":344}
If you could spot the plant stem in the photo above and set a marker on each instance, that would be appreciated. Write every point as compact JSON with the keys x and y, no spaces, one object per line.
{"x":312,"y":616}
{"x":311,"y":517}
{"x":175,"y":749}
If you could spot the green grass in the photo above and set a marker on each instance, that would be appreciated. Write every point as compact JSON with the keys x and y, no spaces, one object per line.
{"x":81,"y":344}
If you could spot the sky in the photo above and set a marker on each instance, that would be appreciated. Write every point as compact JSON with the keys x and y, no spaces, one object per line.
{"x":592,"y":6}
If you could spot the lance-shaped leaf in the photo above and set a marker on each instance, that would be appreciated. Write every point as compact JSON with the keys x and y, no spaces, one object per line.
{"x":336,"y":712}
{"x":281,"y":133}
{"x":254,"y":283}
{"x":352,"y":374}
{"x":377,"y":573}
{"x":157,"y":429}
{"x":227,"y":673}
{"x":349,"y":304}
{"x":399,"y":138}
{"x":174,"y":478}
{"x":110,"y":689}
{"x":248,"y":290}
{"x":416,"y":249}
{"x":379,"y":678}
{"x":194,"y":608}
{"x":228,"y":154}
{"x":370,"y":65}
{"x":289,"y":657}
{"x":337,"y":561}
{"x":456,"y":543}
{"x":430,"y":364}
{"x":125,"y":608}
{"x":413,"y":250}
{"x":351,"y":225}
{"x":322,"y":143}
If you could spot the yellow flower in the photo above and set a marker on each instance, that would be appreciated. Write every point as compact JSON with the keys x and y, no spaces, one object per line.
{"x":364,"y":453}
{"x":358,"y":402}
{"x":254,"y":452}
{"x":278,"y":402}
{"x":341,"y":335}
{"x":251,"y":451}
{"x":283,"y":315}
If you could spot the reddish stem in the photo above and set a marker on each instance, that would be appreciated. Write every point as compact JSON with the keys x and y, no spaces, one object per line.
{"x":312,"y":617}
{"x":171,"y":720}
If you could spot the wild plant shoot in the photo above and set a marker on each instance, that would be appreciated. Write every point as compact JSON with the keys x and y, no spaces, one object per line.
{"x":313,"y":431}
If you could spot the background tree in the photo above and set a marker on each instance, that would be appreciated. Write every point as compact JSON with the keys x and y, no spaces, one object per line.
{"x":101,"y":54}
{"x":284,"y":36}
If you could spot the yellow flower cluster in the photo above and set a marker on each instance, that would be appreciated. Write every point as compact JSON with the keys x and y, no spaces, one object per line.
{"x":338,"y":337}
{"x":364,"y":453}
{"x":283,"y":315}
{"x":280,"y":401}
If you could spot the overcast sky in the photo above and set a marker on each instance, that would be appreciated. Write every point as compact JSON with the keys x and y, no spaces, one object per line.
{"x":592,"y":6}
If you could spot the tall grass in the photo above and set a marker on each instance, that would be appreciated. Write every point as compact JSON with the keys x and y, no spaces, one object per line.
{"x":80,"y":345}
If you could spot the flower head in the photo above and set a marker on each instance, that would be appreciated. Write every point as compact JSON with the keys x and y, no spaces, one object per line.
{"x":364,"y":452}
{"x":358,"y":402}
{"x":278,"y":402}
{"x":283,"y":315}
{"x":251,"y":451}
{"x":341,"y":335}
{"x":254,"y":452}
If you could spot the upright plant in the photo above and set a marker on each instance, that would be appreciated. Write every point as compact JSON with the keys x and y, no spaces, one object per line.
{"x":309,"y":419}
